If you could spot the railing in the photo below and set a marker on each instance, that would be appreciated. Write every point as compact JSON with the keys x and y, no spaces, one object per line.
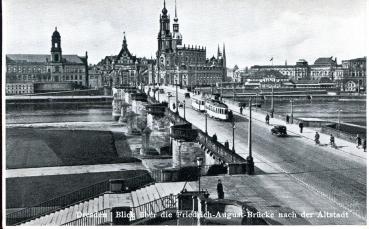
{"x":74,"y":197}
{"x":152,"y":207}
{"x":102,"y":217}
{"x":225,"y":154}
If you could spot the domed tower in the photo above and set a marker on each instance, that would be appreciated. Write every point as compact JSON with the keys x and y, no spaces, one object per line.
{"x":164,"y":36}
{"x":56,"y":51}
{"x":177,"y":36}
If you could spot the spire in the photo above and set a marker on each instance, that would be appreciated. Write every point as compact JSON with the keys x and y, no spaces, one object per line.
{"x":164,"y":11}
{"x":224,"y":51}
{"x":124,"y":40}
{"x":56,"y":28}
{"x":175,"y":11}
{"x":218,"y":54}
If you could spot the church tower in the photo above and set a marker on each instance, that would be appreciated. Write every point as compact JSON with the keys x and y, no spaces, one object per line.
{"x":55,"y":67}
{"x":224,"y":64}
{"x":164,"y":36}
{"x":177,"y":36}
{"x":56,"y":51}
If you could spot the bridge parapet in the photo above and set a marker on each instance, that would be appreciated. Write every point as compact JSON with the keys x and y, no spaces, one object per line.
{"x":156,"y":109}
{"x":225,"y":154}
{"x":184,"y":132}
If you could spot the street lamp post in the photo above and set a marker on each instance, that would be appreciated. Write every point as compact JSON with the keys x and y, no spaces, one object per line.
{"x":184,"y":109}
{"x":177,"y":98}
{"x":206,"y":122}
{"x":291,"y":111}
{"x":233,"y":127}
{"x":249,"y":159}
{"x":272,"y":104}
{"x":169,"y":96}
{"x":339,"y":118}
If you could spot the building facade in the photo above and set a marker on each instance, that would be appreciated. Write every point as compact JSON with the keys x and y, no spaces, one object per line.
{"x":185,"y":65}
{"x":36,"y":69}
{"x":349,"y":76}
{"x":125,"y":69}
{"x":354,"y":75}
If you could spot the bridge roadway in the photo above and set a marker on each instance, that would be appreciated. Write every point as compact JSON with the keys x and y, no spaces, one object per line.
{"x":334,"y":175}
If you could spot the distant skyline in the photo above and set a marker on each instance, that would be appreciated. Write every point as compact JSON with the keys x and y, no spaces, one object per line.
{"x":253,"y":30}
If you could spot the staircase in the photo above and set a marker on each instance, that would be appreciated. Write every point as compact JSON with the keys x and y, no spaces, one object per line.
{"x":156,"y":198}
{"x":149,"y":199}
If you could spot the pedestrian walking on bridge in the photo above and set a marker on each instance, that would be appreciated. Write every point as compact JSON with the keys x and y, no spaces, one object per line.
{"x":267,"y":119}
{"x":220,"y":190}
{"x":241,"y":110}
{"x":287,"y":119}
{"x":364,"y":144}
{"x":301,"y":125}
{"x":332,"y":140}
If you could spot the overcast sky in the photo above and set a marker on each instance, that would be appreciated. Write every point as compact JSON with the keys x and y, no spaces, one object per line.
{"x":252,"y":30}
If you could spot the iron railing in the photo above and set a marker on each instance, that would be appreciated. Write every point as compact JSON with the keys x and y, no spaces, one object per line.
{"x":150,"y":208}
{"x":103,"y":217}
{"x":89,"y":192}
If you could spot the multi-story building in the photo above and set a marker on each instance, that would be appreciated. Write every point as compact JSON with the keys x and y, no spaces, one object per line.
{"x":354,"y":74}
{"x":46,"y":69}
{"x":185,"y":65}
{"x":125,"y":68}
{"x":296,"y":72}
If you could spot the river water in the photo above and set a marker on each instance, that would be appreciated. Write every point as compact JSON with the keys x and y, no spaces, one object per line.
{"x":38,"y":113}
{"x":351,"y":111}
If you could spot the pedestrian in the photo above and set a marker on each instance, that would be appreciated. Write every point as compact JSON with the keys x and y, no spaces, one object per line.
{"x":364,"y":144}
{"x":267,"y":119}
{"x":317,"y":136}
{"x":220,"y":190}
{"x":215,"y":138}
{"x":287,"y":119}
{"x":332,"y":140}
{"x":226,"y":144}
{"x":241,"y":110}
{"x":174,"y":106}
{"x":230,"y":115}
{"x":301,"y":125}
{"x":358,"y":141}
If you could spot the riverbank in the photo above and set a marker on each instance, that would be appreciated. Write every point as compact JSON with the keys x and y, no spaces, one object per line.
{"x":48,"y":146}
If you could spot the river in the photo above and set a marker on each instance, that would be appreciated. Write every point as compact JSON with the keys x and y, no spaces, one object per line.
{"x":61,"y":112}
{"x":351,"y":111}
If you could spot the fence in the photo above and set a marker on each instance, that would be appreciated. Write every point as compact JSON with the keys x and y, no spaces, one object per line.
{"x":74,"y":197}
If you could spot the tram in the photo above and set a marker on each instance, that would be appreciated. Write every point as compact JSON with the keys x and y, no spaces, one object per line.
{"x":198,"y":103}
{"x":217,"y":109}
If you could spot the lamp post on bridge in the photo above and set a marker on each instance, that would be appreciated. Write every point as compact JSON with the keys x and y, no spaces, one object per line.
{"x":177,"y":98}
{"x":339,"y":118}
{"x":249,"y":160}
{"x":169,"y":96}
{"x":272,"y":104}
{"x":233,"y":127}
{"x":206,"y":122}
{"x":291,"y":111}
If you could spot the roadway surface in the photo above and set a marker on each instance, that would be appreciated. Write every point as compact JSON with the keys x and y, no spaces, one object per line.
{"x":336,"y":176}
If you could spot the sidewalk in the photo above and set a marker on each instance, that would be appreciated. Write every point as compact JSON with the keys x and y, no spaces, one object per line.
{"x":308,"y":133}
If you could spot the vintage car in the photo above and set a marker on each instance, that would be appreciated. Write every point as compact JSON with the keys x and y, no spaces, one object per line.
{"x":279,"y":130}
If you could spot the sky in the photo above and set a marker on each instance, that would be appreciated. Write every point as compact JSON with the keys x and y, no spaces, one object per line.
{"x":253,"y":31}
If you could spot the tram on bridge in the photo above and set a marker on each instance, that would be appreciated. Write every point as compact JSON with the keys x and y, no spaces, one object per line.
{"x":198,"y":103}
{"x":216,"y":109}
